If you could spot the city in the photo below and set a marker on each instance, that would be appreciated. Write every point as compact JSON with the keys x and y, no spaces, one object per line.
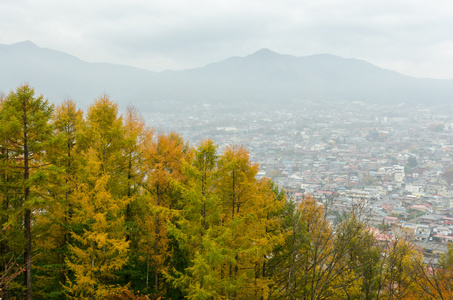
{"x":395,"y":159}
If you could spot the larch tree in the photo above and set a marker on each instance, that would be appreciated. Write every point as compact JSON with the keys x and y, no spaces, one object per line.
{"x":362,"y":260}
{"x":105,"y":133}
{"x":220,"y":239}
{"x":99,"y":249}
{"x":164,"y":161}
{"x":26,"y":129}
{"x":355,"y":257}
{"x":137,"y":137}
{"x":11,"y":235}
{"x":194,"y":229}
{"x":245,"y":231}
{"x":266,"y":233}
{"x":55,"y":222}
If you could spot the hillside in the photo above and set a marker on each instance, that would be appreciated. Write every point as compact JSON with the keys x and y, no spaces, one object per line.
{"x":262,"y":77}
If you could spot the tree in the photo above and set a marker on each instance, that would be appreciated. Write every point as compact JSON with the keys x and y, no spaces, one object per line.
{"x":137,"y":137}
{"x":102,"y":247}
{"x":400,"y":258}
{"x":99,"y":248}
{"x":311,"y":250}
{"x":244,"y":234}
{"x":55,"y":221}
{"x":164,"y":159}
{"x":319,"y":260}
{"x":448,"y":174}
{"x":11,"y":235}
{"x":412,"y":162}
{"x":360,"y":258}
{"x":372,"y":135}
{"x":195,"y":228}
{"x":105,"y":133}
{"x":25,"y":127}
{"x":11,"y":269}
{"x":434,"y":280}
{"x":228,"y":248}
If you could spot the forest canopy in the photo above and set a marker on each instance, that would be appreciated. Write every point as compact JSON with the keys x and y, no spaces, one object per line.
{"x":97,"y":205}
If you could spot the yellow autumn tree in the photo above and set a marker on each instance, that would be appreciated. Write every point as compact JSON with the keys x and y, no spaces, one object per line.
{"x":137,"y":137}
{"x":399,"y":260}
{"x":244,"y":233}
{"x":164,"y":158}
{"x":99,"y":247}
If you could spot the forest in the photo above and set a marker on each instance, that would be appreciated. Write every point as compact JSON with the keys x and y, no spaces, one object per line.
{"x":96,"y":205}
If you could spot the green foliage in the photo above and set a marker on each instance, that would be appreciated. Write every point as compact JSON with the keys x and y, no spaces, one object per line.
{"x":25,"y":139}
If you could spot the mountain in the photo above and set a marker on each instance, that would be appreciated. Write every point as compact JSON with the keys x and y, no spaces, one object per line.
{"x":60,"y":76}
{"x":270,"y":77}
{"x":262,"y":77}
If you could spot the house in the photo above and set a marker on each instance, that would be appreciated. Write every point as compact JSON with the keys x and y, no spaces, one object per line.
{"x":414,"y":188}
{"x":431,"y":219}
{"x":419,"y":207}
{"x":443,"y":238}
{"x":443,"y":230}
{"x":388,"y":220}
{"x":407,"y":230}
{"x":380,"y":236}
{"x":422,"y":232}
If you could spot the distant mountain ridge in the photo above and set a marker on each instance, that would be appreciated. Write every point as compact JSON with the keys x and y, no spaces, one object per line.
{"x":262,"y":77}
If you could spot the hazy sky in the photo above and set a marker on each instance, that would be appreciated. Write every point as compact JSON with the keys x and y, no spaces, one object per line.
{"x":414,"y":37}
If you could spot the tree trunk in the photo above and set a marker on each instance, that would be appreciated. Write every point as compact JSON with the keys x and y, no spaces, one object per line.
{"x":27,"y":213}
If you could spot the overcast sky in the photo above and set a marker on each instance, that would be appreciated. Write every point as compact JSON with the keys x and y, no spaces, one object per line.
{"x":414,"y":37}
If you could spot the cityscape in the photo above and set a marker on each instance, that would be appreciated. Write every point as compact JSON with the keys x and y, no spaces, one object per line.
{"x":395,"y":159}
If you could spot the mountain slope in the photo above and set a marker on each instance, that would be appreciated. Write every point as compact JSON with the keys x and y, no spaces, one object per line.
{"x":268,"y":76}
{"x":262,"y":77}
{"x":61,"y":76}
